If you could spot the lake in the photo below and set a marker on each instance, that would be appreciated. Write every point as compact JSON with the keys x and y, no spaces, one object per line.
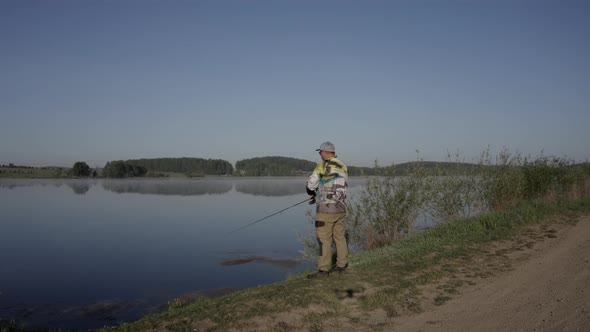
{"x":82,"y":254}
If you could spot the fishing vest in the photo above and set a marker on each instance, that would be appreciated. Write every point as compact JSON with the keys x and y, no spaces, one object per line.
{"x":331,"y":187}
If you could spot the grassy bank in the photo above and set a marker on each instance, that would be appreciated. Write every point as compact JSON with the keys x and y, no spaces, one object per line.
{"x":30,"y":173}
{"x":62,"y":173}
{"x":388,"y":281}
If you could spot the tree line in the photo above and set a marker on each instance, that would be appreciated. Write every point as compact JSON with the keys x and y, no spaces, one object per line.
{"x":121,"y":169}
{"x":188,"y":166}
{"x":273,"y":166}
{"x":11,"y":165}
{"x":285,"y":166}
{"x":142,"y":167}
{"x":259,"y":166}
{"x":408,"y":167}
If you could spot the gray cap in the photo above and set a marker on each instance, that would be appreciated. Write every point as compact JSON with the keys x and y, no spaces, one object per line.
{"x":327,"y":146}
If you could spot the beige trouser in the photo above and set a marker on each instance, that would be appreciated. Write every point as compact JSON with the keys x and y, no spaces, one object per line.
{"x":331,"y":227}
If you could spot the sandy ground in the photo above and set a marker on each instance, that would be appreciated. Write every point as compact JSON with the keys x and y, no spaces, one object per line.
{"x":547,"y":289}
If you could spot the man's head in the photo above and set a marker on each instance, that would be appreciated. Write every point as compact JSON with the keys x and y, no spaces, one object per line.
{"x":327,"y":150}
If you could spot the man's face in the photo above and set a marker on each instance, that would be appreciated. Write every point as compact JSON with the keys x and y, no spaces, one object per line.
{"x":325,"y":155}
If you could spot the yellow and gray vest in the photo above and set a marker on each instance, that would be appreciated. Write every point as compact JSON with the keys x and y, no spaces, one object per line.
{"x":329,"y":180}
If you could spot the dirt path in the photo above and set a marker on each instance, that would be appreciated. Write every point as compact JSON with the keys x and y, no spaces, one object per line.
{"x":548,"y":289}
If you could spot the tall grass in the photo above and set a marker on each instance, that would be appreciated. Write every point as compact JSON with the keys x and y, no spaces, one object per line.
{"x":455,"y":191}
{"x":388,"y":206}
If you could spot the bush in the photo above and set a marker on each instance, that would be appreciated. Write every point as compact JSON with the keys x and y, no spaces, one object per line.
{"x":388,"y":206}
{"x":455,"y":191}
{"x":80,"y":168}
{"x":120,"y":169}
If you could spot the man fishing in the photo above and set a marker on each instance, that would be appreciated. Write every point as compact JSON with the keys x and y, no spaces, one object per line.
{"x":327,"y":185}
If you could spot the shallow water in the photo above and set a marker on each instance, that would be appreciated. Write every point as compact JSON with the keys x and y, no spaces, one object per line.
{"x":87,"y":253}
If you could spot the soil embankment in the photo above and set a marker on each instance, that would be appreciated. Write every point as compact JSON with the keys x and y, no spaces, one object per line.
{"x":547,"y":289}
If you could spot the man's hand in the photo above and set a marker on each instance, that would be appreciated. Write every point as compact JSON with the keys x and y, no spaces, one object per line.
{"x":312,"y":194}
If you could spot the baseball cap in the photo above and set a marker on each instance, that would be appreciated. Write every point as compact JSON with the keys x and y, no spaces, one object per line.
{"x":327,"y":146}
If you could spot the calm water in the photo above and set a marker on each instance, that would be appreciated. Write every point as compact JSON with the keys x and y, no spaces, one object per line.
{"x":88,"y":253}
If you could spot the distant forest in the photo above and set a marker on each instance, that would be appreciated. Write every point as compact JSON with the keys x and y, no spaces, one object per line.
{"x":273,"y":166}
{"x":189,"y":166}
{"x":285,"y":166}
{"x":196,"y":167}
{"x":408,"y":167}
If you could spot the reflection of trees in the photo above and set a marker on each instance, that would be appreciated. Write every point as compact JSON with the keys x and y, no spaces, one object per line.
{"x":267,"y":186}
{"x":15,"y":183}
{"x":169,"y":187}
{"x":80,"y":188}
{"x":277,"y":186}
{"x":271,"y":186}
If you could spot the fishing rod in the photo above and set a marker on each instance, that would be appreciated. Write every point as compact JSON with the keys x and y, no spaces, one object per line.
{"x":259,"y":220}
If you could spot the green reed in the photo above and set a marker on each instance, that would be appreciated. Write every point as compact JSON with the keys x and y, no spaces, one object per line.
{"x":390,"y":203}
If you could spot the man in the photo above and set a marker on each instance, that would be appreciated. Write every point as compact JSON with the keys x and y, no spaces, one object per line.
{"x":327,"y":185}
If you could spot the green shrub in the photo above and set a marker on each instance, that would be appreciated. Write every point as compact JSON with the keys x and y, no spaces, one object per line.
{"x":502,"y":180}
{"x":387,"y":207}
{"x":455,"y":191}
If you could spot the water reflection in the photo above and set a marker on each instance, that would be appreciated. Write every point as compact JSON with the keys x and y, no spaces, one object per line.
{"x":85,"y":256}
{"x":207,"y":186}
{"x":169,"y":187}
{"x":271,"y":186}
{"x":79,"y":255}
{"x":80,"y":188}
{"x":280,"y":186}
{"x":17,"y":183}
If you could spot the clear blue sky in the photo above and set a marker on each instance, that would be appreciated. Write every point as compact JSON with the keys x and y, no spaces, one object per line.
{"x":96,"y":81}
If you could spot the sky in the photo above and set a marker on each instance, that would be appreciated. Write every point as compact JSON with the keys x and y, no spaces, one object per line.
{"x":95,"y":81}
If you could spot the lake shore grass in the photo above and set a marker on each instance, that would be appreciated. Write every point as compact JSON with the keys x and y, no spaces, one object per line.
{"x":29,"y":173}
{"x":388,"y":281}
{"x":62,"y":173}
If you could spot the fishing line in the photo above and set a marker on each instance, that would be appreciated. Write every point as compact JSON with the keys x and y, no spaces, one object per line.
{"x":259,"y":220}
